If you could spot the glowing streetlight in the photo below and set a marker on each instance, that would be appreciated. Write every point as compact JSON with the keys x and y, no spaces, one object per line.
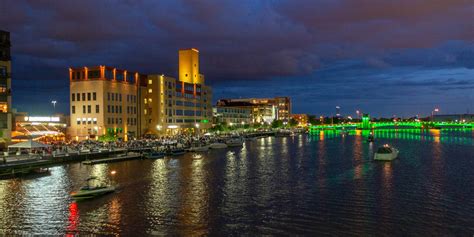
{"x":54,"y":104}
{"x":436,"y":110}
{"x":159,"y":127}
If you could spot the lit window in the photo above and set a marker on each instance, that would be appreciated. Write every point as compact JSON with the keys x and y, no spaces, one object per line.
{"x":150,"y":81}
{"x":150,"y":90}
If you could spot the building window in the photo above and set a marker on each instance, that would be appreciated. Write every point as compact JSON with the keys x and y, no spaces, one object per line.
{"x":108,"y":96}
{"x":83,"y":109}
{"x":78,"y":97}
{"x":83,"y":96}
{"x":112,"y":108}
{"x":150,"y":91}
{"x":94,"y":96}
{"x":73,"y":97}
{"x":112,"y":95}
{"x":97,"y":108}
{"x":73,"y":109}
{"x":89,"y":96}
{"x":89,"y":109}
{"x":78,"y":121}
{"x":120,"y":97}
{"x":149,"y":81}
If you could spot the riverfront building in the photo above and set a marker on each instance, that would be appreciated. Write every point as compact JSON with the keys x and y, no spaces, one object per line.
{"x":5,"y":88}
{"x":105,"y":100}
{"x":229,"y":115}
{"x":264,"y":110}
{"x":302,"y":119}
{"x":175,"y":106}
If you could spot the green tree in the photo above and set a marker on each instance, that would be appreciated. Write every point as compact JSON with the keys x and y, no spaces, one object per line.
{"x":293,"y":122}
{"x":277,"y":123}
{"x":109,"y":137}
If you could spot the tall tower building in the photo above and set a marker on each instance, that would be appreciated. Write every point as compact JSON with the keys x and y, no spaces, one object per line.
{"x":5,"y":87}
{"x":189,"y":66}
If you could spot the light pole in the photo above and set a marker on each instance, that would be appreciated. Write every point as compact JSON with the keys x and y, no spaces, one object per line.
{"x":432,"y":113}
{"x":197,"y":128}
{"x":54,"y":105}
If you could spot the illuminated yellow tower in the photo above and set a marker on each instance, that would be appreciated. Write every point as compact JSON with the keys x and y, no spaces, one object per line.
{"x":189,"y":66}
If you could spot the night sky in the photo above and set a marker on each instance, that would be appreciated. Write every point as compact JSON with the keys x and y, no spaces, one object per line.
{"x":384,"y":57}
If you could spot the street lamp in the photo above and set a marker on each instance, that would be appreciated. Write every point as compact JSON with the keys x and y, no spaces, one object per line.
{"x":432,"y":113}
{"x":54,"y":104}
{"x":197,"y":129}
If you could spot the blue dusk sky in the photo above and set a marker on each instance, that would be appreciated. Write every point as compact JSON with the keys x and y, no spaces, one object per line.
{"x":385,"y":58}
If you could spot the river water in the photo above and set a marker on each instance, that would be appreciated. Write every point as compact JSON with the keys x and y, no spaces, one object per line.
{"x":308,"y":184}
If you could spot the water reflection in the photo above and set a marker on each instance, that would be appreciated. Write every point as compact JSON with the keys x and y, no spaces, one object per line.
{"x":273,"y":186}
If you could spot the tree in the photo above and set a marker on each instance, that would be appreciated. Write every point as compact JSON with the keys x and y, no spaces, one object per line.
{"x":293,"y":122}
{"x":277,"y":123}
{"x":313,"y":120}
{"x":109,"y":137}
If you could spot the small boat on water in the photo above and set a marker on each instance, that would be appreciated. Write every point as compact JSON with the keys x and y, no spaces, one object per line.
{"x":176,"y":152}
{"x":386,"y":153}
{"x":235,"y":141}
{"x":154,"y":155}
{"x":198,"y":147}
{"x":91,"y":190}
{"x":218,"y":145}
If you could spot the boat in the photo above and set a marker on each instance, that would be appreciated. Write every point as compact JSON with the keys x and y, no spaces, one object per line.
{"x":197,"y":147}
{"x":386,"y":153}
{"x":154,"y":155}
{"x":175,"y":152}
{"x":218,"y":145}
{"x":235,"y":141}
{"x":91,"y":190}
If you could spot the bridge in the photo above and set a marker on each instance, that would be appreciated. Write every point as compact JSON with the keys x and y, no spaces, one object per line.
{"x":366,"y":124}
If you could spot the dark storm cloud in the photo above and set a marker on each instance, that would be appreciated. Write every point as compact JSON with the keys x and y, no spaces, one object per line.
{"x":320,"y":44}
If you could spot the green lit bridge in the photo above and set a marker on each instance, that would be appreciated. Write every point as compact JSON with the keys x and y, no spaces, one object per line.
{"x":366,"y":124}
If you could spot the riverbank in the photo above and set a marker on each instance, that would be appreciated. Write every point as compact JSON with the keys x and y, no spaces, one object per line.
{"x":18,"y":165}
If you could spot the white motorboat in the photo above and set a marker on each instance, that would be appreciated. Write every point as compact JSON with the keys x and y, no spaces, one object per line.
{"x":235,"y":141}
{"x":218,"y":145}
{"x":92,"y":190}
{"x":386,"y":153}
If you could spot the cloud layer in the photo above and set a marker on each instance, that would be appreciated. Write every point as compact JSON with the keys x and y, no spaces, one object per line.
{"x":320,"y":43}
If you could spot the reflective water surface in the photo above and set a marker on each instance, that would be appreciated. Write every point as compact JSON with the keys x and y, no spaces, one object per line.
{"x":308,"y":184}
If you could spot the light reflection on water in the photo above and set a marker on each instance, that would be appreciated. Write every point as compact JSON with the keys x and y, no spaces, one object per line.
{"x":276,"y":186}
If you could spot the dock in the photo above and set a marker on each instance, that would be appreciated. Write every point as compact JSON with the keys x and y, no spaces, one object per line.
{"x":121,"y":157}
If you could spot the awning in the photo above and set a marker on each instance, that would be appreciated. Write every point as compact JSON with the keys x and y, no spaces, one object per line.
{"x":29,"y":145}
